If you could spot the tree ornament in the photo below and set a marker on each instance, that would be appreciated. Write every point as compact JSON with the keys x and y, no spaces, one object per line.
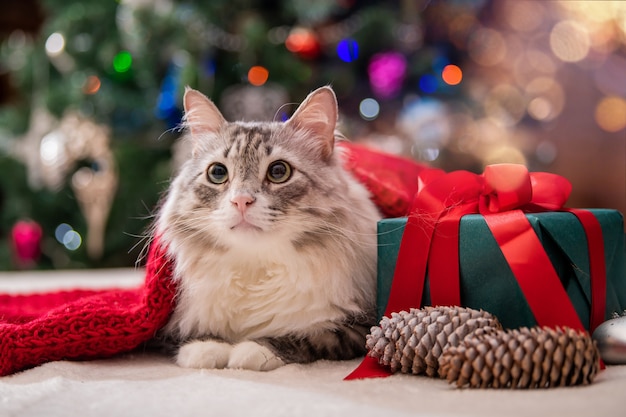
{"x":79,"y":139}
{"x":27,"y":147}
{"x":303,"y":42}
{"x":411,"y":342}
{"x":26,"y":243}
{"x":539,"y":357}
{"x":611,"y":339}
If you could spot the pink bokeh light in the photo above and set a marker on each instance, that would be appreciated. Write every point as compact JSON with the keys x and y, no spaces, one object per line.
{"x":386,"y":73}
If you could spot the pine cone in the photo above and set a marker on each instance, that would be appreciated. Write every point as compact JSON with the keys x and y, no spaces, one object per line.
{"x":412,"y":342}
{"x":523,"y":358}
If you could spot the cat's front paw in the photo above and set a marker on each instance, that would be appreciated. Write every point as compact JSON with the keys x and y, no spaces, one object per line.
{"x":253,"y":356}
{"x":204,"y":354}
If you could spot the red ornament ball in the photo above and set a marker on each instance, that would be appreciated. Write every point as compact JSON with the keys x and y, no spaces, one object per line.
{"x":26,"y":242}
{"x":303,"y":43}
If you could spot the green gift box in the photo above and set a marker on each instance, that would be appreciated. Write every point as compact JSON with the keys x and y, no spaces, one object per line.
{"x":486,"y":280}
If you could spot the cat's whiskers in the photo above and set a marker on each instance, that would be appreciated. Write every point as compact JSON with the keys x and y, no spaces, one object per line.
{"x":338,"y":233}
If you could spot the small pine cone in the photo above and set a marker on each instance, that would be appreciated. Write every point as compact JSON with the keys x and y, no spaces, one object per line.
{"x":412,"y":342}
{"x":539,"y":357}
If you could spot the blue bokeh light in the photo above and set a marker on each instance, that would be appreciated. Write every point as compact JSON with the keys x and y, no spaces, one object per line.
{"x":428,"y":83}
{"x":348,"y":50}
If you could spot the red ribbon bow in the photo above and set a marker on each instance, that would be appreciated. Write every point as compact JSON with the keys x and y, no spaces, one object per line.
{"x":501,"y":194}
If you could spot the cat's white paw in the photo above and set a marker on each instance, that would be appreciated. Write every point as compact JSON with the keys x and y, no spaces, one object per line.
{"x":207,"y":354}
{"x":252,"y":356}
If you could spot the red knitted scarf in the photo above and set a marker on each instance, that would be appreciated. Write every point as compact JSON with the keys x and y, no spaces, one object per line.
{"x":88,"y":324}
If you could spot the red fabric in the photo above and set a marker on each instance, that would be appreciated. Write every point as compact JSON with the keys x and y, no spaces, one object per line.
{"x":392,"y":180}
{"x":501,"y":194}
{"x":597,"y":265}
{"x":84,"y":324}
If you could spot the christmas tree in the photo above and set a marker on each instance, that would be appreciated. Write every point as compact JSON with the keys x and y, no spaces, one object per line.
{"x":88,"y":128}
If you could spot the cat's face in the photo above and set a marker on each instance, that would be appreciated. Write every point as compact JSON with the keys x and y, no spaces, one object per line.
{"x":245,"y":181}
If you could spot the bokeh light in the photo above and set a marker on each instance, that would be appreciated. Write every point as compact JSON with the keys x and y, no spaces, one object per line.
{"x":505,"y":105}
{"x":428,"y":83}
{"x":51,"y":149}
{"x":540,"y":108}
{"x":72,"y":240}
{"x":258,"y":75}
{"x":92,"y":85}
{"x":523,"y":16}
{"x":386,"y":73}
{"x":369,"y":109}
{"x":546,"y":98}
{"x":61,"y":230}
{"x":569,"y":41}
{"x":452,"y":74}
{"x":348,"y":50}
{"x":487,"y":47}
{"x":122,"y":61}
{"x":55,"y":44}
{"x":68,"y":237}
{"x":303,"y":42}
{"x":610,"y":114}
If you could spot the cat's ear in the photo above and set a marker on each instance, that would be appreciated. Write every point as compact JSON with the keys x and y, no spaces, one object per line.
{"x":318,"y":115}
{"x":201,"y":115}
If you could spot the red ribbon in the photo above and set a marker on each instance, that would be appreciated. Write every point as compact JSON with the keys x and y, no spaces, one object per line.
{"x":501,"y":194}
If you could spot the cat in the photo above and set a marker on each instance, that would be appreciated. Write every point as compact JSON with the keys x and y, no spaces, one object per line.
{"x":273,"y":242}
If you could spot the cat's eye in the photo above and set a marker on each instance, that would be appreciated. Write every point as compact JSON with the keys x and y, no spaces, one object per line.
{"x":278,"y":172}
{"x":217,"y":173}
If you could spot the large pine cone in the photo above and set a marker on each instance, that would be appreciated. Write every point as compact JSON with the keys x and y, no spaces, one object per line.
{"x":522,"y":358}
{"x":411,"y":342}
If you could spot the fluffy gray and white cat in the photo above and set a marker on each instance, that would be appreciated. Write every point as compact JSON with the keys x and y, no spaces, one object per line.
{"x":273,"y":242}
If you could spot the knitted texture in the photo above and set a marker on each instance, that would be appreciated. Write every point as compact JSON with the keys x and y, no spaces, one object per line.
{"x":85,"y":324}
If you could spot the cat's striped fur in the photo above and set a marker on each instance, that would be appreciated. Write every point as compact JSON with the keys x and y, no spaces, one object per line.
{"x":274,"y":242}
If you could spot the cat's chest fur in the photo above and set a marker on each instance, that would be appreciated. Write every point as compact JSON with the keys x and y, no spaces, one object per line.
{"x":234,"y":298}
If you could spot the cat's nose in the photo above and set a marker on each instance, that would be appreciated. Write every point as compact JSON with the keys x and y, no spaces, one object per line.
{"x":243,"y":201}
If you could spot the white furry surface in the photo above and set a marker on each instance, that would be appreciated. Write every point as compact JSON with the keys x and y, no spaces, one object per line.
{"x":152,"y":385}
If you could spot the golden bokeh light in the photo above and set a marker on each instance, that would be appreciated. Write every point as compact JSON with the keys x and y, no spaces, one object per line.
{"x":540,"y":108}
{"x":505,"y":104}
{"x":546,"y":98}
{"x":610,"y":114}
{"x":569,"y":41}
{"x":524,"y":16}
{"x":599,"y":11}
{"x":487,"y":47}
